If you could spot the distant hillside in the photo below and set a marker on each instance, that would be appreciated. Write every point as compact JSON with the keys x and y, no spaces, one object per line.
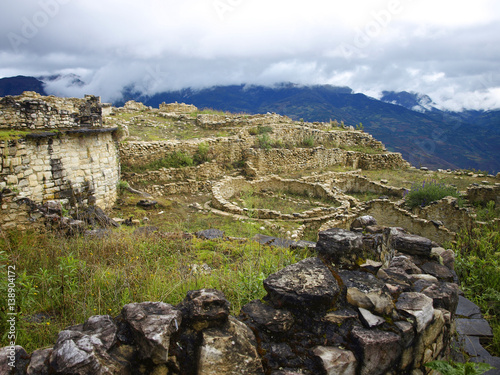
{"x":429,"y":138}
{"x":17,"y":85}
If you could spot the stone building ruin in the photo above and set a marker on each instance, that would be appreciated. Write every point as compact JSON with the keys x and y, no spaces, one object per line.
{"x":54,"y":149}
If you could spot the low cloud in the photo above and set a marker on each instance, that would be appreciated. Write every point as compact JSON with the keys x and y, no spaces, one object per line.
{"x":449,"y":51}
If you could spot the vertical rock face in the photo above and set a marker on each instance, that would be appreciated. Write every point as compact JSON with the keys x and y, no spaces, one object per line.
{"x":229,"y":349}
{"x":83,"y":349}
{"x":153,"y":323}
{"x":379,"y":350}
{"x":315,"y":319}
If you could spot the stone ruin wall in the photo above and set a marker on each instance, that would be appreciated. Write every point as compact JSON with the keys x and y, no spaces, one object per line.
{"x":31,"y":111}
{"x":329,"y":314}
{"x":71,"y":160}
{"x":291,"y":160}
{"x":224,"y":191}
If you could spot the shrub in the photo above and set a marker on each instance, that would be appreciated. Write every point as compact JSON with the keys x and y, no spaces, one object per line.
{"x":260,"y":130}
{"x":308,"y":141}
{"x":452,"y":368}
{"x":427,"y":192}
{"x":201,"y":156}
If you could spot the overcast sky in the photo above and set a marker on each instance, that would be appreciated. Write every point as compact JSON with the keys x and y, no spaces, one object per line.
{"x":449,"y":50}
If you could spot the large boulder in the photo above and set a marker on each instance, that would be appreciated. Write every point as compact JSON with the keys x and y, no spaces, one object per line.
{"x":308,"y":284}
{"x":205,"y":308}
{"x":152,"y":324}
{"x":267,"y":317}
{"x":410,"y":243}
{"x":84,"y":349}
{"x":378,"y":350}
{"x":229,"y":350}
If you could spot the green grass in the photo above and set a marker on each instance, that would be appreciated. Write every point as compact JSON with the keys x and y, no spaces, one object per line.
{"x":62,"y":282}
{"x":9,"y":135}
{"x":477,"y":265}
{"x":427,"y":192}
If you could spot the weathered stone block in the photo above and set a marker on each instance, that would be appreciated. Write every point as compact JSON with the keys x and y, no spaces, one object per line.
{"x":336,"y":361}
{"x":378,"y":350}
{"x":308,"y":284}
{"x":152,"y":325}
{"x":229,"y":350}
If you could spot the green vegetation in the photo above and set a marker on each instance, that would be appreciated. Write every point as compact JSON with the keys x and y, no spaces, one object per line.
{"x":9,"y":135}
{"x":453,"y":368}
{"x":62,"y":282}
{"x":309,"y":141}
{"x":427,"y":192}
{"x":477,"y":264}
{"x":260,"y":130}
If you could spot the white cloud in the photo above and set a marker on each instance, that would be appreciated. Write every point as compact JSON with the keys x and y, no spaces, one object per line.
{"x":444,"y":49}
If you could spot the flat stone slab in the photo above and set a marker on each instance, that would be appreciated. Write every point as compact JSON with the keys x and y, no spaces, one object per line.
{"x":307,"y":284}
{"x":273,"y":241}
{"x":468,"y":309}
{"x":474,"y":327}
{"x":210,"y":234}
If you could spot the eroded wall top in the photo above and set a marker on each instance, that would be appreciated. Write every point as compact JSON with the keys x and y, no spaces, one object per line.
{"x":31,"y":111}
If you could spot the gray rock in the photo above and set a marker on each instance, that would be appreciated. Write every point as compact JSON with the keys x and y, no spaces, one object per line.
{"x":83,"y":349}
{"x":366,"y":291}
{"x":39,"y":364}
{"x":210,"y":234}
{"x":340,"y":316}
{"x":405,"y":264}
{"x":437,"y":270}
{"x":147,"y":204}
{"x":444,"y":296}
{"x":336,"y":361}
{"x":410,"y":243}
{"x":474,"y":327}
{"x":371,"y":266}
{"x":370,"y":320}
{"x":363,"y":222}
{"x":13,"y":360}
{"x":407,"y":333}
{"x":307,"y":284}
{"x":341,"y":247}
{"x":204,"y":308}
{"x":378,"y":350}
{"x":273,"y":241}
{"x":265,"y":316}
{"x":417,"y":305}
{"x":467,"y":309}
{"x":152,"y":324}
{"x":229,"y":350}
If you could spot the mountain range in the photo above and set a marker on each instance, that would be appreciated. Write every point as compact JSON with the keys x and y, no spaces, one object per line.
{"x":405,"y":122}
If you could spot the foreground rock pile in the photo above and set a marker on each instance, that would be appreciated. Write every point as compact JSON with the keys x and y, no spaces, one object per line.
{"x":374,"y":301}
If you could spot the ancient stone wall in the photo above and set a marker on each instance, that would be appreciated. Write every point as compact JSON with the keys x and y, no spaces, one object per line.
{"x":336,"y":313}
{"x":31,"y":111}
{"x":352,"y":183}
{"x":215,"y":121}
{"x":388,"y":213}
{"x":290,"y":160}
{"x":76,"y":164}
{"x":484,"y":194}
{"x":177,"y":108}
{"x":224,"y":191}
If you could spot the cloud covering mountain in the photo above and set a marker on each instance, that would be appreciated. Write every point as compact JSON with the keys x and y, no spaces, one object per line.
{"x":448,"y":49}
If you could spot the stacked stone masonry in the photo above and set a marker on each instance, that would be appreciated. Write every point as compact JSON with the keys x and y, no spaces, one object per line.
{"x":336,"y":313}
{"x":75,"y":163}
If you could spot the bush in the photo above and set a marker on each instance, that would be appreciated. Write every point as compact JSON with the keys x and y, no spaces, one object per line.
{"x":308,"y":141}
{"x":201,"y":156}
{"x":260,"y":130}
{"x":427,"y":192}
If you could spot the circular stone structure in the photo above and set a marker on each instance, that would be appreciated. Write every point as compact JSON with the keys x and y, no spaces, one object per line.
{"x":224,"y":193}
